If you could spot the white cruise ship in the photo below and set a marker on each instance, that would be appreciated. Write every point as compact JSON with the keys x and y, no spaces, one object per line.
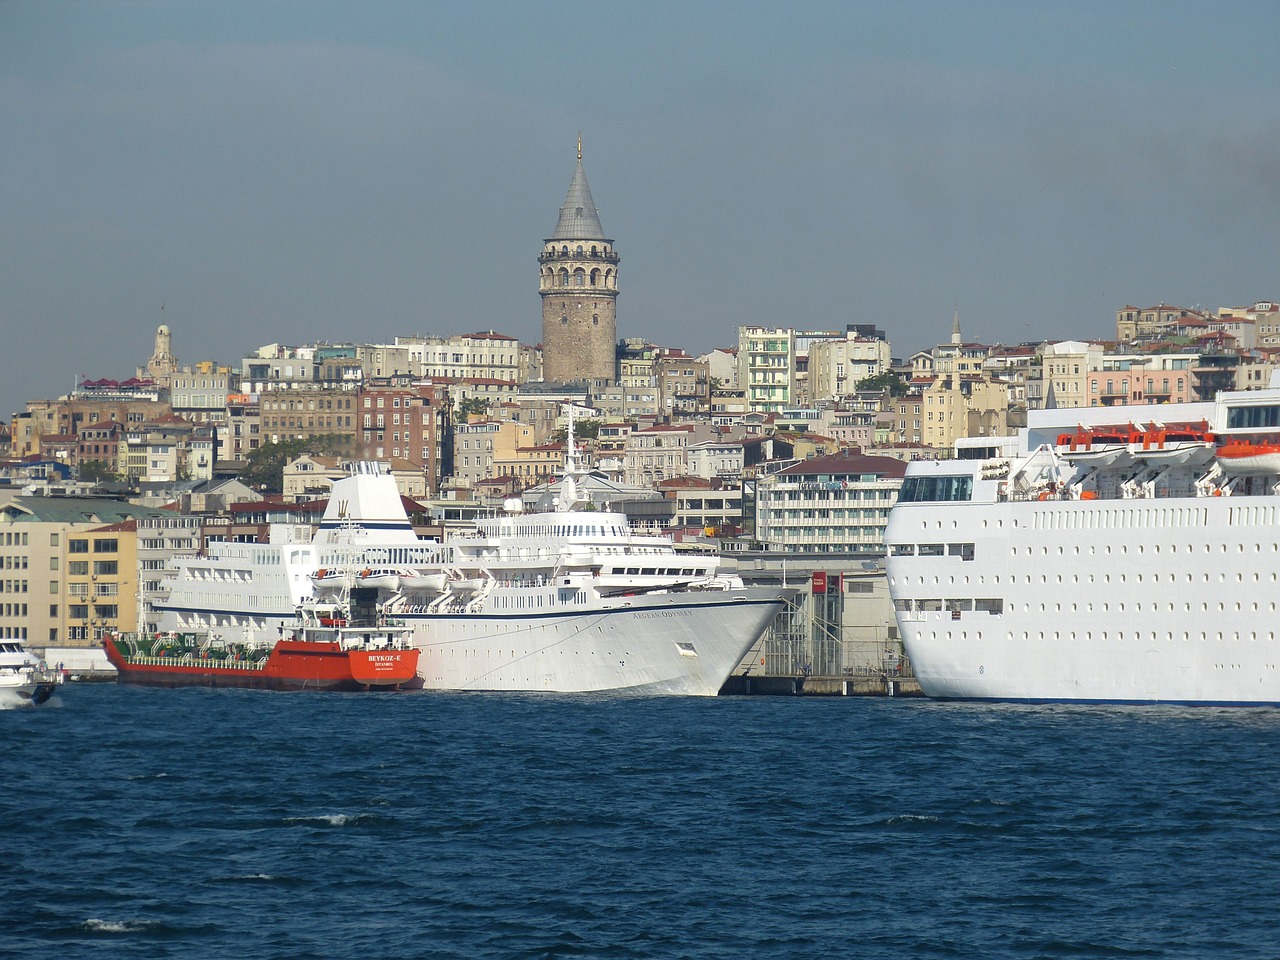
{"x":569,"y":601}
{"x":1120,"y":554}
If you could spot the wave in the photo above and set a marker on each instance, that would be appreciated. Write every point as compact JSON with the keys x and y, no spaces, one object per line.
{"x":95,"y":925}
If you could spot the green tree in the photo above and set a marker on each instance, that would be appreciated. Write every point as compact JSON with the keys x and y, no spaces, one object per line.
{"x":882,"y":381}
{"x":582,"y":430}
{"x":96,"y":471}
{"x":264,"y":468}
{"x":470,"y":406}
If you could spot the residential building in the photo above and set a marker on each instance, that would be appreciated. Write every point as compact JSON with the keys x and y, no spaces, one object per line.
{"x":1150,"y":323}
{"x":833,"y":504}
{"x":1126,"y":379}
{"x":70,"y":568}
{"x":767,"y":368}
{"x":836,"y":365}
{"x":658,"y":453}
{"x":404,"y":418}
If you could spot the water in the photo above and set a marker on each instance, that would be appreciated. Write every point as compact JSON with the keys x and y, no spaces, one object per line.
{"x":190,"y":823}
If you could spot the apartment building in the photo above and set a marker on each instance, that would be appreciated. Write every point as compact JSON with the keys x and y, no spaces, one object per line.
{"x":837,"y":365}
{"x":404,"y":418}
{"x":767,"y":368}
{"x":1126,"y":379}
{"x":70,"y":568}
{"x":658,"y":453}
{"x":833,"y":504}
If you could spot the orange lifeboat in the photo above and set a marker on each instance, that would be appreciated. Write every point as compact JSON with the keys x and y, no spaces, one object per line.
{"x":1096,"y":446}
{"x":1245,"y":458}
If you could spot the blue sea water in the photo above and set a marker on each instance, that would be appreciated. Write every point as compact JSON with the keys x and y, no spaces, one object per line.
{"x":194,"y":823}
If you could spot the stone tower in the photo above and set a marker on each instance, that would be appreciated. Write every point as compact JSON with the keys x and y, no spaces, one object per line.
{"x":162,"y":364}
{"x":579,"y":289}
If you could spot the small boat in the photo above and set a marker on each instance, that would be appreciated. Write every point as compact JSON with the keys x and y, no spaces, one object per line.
{"x":331,"y":646}
{"x":418,"y":581}
{"x":376,"y":579}
{"x":1096,"y":447}
{"x":466,"y":586}
{"x":23,"y":676}
{"x":1173,"y":445}
{"x":1245,"y":458}
{"x":327,"y":580}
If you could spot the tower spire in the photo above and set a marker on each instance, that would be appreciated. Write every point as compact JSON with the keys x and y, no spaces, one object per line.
{"x":579,"y":146}
{"x":956,"y":336}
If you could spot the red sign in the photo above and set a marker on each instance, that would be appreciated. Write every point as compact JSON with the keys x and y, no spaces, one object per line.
{"x":819,"y":582}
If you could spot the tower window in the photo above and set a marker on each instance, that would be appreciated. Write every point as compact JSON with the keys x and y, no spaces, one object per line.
{"x":595,"y":320}
{"x":564,"y":320}
{"x":579,"y":278}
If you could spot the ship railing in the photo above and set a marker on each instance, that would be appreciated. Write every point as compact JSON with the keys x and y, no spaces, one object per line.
{"x":228,"y":664}
{"x":43,"y":673}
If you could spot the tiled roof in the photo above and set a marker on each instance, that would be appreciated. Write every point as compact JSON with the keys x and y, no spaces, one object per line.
{"x":847,"y":462}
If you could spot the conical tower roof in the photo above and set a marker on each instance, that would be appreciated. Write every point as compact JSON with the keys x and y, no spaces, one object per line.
{"x":579,"y":218}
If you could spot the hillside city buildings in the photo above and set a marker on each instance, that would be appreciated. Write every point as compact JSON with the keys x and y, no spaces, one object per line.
{"x":785,"y":441}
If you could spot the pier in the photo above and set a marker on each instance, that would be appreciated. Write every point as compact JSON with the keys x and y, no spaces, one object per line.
{"x":866,"y":685}
{"x":836,"y":638}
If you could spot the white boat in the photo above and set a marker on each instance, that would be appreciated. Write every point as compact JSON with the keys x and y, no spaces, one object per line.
{"x":1048,"y":578}
{"x":1192,"y":445}
{"x":421,"y":581}
{"x":24,"y":678}
{"x":1101,"y":447}
{"x":1250,"y":459}
{"x":562,"y":602}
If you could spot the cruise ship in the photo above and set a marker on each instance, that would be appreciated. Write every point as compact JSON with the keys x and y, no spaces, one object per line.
{"x":1118,"y":554}
{"x":564,"y":601}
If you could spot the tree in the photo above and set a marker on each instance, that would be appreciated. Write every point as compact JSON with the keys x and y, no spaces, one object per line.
{"x":470,"y":406}
{"x":884,"y":381}
{"x":582,"y":430}
{"x":97,"y":471}
{"x":264,"y":468}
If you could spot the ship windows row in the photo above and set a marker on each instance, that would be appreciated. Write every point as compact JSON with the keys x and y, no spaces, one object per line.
{"x":1138,"y":636}
{"x":962,"y":550}
{"x":953,"y":605}
{"x":936,"y":489}
{"x":656,"y":572}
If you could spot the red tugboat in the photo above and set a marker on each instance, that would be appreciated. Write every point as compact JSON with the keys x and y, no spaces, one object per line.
{"x":333,"y":646}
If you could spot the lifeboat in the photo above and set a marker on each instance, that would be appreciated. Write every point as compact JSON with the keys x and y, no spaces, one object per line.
{"x":373,"y":579}
{"x":416,"y":581}
{"x":466,"y":586}
{"x":325,"y":580}
{"x":1100,"y":447}
{"x":1243,"y":458}
{"x":1173,"y":445}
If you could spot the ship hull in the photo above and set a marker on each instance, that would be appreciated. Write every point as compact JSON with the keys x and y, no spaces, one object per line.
{"x":661,"y":644}
{"x":291,"y":666}
{"x":27,"y":690}
{"x":1126,"y":601}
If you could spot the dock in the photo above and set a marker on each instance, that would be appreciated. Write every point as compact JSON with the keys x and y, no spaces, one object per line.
{"x":861,"y":685}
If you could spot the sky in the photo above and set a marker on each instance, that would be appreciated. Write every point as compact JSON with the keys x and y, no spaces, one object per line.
{"x":285,"y":172}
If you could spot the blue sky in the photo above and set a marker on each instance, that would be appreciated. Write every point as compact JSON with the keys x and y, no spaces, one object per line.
{"x":283,"y":172}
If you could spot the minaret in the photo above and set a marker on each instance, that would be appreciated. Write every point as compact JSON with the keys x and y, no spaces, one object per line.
{"x":956,"y":338}
{"x":579,"y":289}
